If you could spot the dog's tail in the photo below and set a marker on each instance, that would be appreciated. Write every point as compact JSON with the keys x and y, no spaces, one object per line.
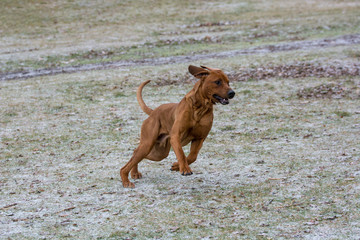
{"x":141,"y":102}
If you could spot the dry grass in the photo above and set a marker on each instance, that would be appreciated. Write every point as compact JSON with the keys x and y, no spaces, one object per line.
{"x":276,"y":165}
{"x":62,"y":33}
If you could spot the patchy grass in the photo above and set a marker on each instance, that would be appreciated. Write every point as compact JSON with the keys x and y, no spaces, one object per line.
{"x":342,"y":114}
{"x":63,"y":33}
{"x":281,"y":161}
{"x":273,"y":166}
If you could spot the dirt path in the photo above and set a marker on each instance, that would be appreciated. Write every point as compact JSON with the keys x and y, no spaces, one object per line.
{"x":299,"y":45}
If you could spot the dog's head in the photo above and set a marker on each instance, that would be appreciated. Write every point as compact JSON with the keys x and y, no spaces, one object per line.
{"x":214,"y":84}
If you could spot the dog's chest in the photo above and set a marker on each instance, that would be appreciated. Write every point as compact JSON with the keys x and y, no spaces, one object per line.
{"x":201,"y":128}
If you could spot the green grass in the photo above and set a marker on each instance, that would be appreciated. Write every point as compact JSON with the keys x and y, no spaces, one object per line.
{"x":342,"y":113}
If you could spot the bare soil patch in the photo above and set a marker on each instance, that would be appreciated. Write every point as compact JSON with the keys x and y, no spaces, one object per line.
{"x":298,"y":70}
{"x":329,"y":90}
{"x":293,"y":70}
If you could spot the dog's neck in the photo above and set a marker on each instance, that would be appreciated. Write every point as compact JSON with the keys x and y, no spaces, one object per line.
{"x":200,"y":103}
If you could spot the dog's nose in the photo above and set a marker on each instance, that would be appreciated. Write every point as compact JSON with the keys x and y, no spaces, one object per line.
{"x":231,"y":94}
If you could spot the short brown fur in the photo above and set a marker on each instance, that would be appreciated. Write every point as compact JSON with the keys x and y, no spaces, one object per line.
{"x":177,"y":124}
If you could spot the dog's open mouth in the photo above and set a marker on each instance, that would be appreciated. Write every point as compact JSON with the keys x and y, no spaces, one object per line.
{"x":221,"y":100}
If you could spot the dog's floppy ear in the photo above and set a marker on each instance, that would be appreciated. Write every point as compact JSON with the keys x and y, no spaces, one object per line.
{"x":210,"y":69}
{"x":198,"y":72}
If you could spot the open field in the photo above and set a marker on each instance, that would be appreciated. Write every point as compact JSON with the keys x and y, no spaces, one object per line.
{"x":282,"y":160}
{"x":36,"y":34}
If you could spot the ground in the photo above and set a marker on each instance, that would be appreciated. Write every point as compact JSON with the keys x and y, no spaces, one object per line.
{"x":282,"y":160}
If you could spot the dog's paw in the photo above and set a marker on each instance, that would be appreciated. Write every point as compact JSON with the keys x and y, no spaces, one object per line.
{"x":128,"y":184}
{"x":136,"y":175}
{"x":175,"y":166}
{"x":186,"y":171}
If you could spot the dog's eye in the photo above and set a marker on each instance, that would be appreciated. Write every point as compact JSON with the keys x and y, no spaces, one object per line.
{"x":218,"y":82}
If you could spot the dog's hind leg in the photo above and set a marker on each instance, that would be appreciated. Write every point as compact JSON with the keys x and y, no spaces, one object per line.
{"x":149,"y":134}
{"x":135,"y":174}
{"x":158,"y":152}
{"x":138,"y":155}
{"x":161,"y":148}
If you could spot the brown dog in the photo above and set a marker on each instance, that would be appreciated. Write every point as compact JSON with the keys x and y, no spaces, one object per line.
{"x":176,"y":124}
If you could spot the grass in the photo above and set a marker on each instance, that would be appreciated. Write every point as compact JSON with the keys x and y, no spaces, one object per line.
{"x":64,"y":33}
{"x":342,"y":113}
{"x":287,"y":167}
{"x":276,"y":164}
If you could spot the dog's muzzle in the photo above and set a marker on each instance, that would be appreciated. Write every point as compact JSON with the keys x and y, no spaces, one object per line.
{"x":225,"y":101}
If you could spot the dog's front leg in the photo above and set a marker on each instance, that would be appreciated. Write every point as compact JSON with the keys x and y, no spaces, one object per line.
{"x":180,"y":155}
{"x":194,"y":151}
